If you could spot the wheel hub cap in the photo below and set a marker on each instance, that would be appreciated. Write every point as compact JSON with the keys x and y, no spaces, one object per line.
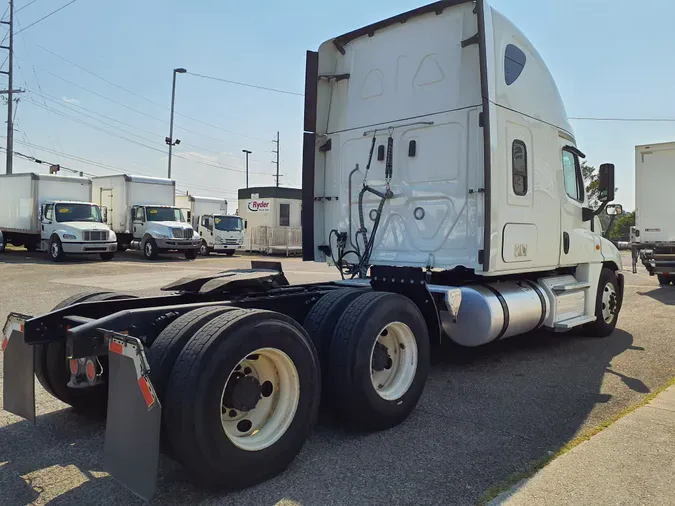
{"x":393,"y":361}
{"x":242,"y":392}
{"x":610,"y":303}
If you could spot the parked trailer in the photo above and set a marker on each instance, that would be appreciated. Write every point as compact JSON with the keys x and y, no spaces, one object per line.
{"x":54,"y":214}
{"x":436,"y":224}
{"x":219,"y":231}
{"x":142,"y":212}
{"x":653,"y":236}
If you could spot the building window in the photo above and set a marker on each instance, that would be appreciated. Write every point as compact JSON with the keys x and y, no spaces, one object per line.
{"x":519,"y":167}
{"x":514,"y":63}
{"x":284,"y":215}
{"x":574,"y":184}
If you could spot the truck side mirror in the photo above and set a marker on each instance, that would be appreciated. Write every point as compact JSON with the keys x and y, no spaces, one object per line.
{"x":245,"y":224}
{"x":614,"y":210}
{"x":606,"y":183}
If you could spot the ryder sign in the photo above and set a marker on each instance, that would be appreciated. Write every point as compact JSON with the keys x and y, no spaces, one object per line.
{"x":259,"y":206}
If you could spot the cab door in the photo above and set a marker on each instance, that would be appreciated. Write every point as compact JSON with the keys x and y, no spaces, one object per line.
{"x":138,"y":221}
{"x":577,"y":244}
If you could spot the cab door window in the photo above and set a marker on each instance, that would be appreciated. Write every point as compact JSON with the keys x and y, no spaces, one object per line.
{"x":574,"y":184}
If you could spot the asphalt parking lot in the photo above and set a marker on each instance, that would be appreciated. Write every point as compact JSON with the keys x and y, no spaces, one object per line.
{"x":485,"y":413}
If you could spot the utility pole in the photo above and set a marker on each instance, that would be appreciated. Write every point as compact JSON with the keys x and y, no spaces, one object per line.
{"x":276,"y":151}
{"x":247,"y":153}
{"x":10,"y":91}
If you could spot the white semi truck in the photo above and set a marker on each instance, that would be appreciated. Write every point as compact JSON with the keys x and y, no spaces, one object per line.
{"x":443,"y":179}
{"x":219,"y":231}
{"x":142,"y":212}
{"x":653,"y":236}
{"x":54,"y":214}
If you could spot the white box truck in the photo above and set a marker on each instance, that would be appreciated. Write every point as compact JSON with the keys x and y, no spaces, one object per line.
{"x":443,"y":179}
{"x":219,"y":231}
{"x":54,"y":214}
{"x":653,"y":236}
{"x":142,"y":212}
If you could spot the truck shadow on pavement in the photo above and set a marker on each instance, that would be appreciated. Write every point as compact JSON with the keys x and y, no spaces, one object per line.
{"x":662,"y":294}
{"x":485,"y":414}
{"x":24,"y":257}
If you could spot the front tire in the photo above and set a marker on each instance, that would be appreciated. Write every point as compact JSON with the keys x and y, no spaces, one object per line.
{"x":607,"y":305}
{"x":242,"y":398}
{"x":150,"y":249}
{"x":230,"y":252}
{"x":106,"y":257}
{"x":379,"y":360}
{"x":204,"y":249}
{"x":191,"y":254}
{"x":55,"y":249}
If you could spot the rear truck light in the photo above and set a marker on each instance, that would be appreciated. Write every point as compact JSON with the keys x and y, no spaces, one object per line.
{"x":131,"y":452}
{"x":85,"y":372}
{"x":90,"y":370}
{"x":74,"y":366}
{"x":18,"y":387}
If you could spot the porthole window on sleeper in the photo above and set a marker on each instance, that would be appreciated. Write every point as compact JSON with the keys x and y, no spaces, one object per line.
{"x":514,"y":63}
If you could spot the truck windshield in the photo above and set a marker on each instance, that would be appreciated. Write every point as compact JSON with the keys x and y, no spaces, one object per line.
{"x":78,"y":212}
{"x":228,"y":223}
{"x":164,"y":214}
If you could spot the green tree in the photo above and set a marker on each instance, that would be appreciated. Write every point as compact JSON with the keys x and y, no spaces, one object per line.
{"x":621,"y":229}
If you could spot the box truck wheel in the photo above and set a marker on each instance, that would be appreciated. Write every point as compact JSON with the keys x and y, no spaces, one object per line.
{"x":607,"y":305}
{"x":106,"y":257}
{"x":55,"y":249}
{"x":663,"y":279}
{"x":52,"y":368}
{"x":242,"y":398}
{"x":150,"y":249}
{"x":204,"y":249}
{"x":191,"y":254}
{"x":379,"y":360}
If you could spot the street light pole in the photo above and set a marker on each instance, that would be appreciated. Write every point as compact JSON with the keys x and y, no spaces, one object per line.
{"x":169,"y":140}
{"x":247,"y":153}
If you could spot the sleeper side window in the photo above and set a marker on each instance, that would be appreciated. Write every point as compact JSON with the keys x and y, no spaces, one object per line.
{"x":574,"y":185}
{"x":514,"y":63}
{"x":519,"y":167}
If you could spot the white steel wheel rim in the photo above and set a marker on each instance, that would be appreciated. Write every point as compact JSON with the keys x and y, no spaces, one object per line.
{"x":148,"y":248}
{"x":608,"y":303}
{"x":273,"y":414}
{"x":202,"y":248}
{"x":55,"y":249}
{"x":392,"y":382}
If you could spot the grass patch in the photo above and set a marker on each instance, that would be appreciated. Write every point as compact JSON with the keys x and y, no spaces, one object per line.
{"x":495,"y":490}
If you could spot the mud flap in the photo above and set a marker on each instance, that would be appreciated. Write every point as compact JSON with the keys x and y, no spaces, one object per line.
{"x":18,"y":362}
{"x":134,"y":418}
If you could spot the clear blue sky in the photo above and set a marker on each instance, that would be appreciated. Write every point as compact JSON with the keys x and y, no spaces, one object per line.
{"x":609,"y":58}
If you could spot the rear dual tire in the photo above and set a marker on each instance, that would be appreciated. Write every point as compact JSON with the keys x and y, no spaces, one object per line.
{"x":240,"y":362}
{"x":51,"y":366}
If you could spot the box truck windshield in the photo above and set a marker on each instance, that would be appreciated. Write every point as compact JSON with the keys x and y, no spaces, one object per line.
{"x":164,"y":214}
{"x":77,"y":212}
{"x":228,"y":223}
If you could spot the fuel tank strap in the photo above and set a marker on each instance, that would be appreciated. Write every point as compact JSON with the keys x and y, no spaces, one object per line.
{"x":537,"y":290}
{"x":505,"y":308}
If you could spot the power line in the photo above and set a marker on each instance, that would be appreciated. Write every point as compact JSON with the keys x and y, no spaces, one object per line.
{"x":45,"y":17}
{"x":238,"y":83}
{"x":22,"y":8}
{"x":114,"y":168}
{"x":77,"y":120}
{"x":163,"y":106}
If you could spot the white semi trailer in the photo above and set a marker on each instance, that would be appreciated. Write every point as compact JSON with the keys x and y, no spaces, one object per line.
{"x":142,"y":212}
{"x":653,"y":236}
{"x":422,"y":136}
{"x":54,"y":214}
{"x":219,"y":232}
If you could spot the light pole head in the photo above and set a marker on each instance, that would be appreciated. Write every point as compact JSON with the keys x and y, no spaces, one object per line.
{"x":180,"y":70}
{"x":246,"y":151}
